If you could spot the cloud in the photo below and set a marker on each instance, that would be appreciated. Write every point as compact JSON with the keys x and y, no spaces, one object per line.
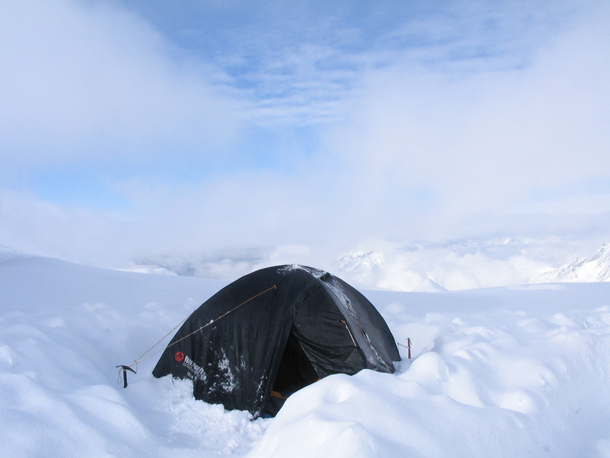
{"x":85,"y":81}
{"x":471,"y":144}
{"x":297,"y":148}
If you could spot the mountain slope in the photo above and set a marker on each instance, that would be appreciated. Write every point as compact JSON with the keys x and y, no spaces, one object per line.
{"x":594,"y":268}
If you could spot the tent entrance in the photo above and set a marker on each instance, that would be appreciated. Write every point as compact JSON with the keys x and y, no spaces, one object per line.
{"x":295,"y":372}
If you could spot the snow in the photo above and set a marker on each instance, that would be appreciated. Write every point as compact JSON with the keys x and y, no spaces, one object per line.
{"x":507,"y":371}
{"x":429,"y":286}
{"x":593,"y":268}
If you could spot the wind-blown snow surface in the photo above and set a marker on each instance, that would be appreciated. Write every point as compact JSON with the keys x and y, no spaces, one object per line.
{"x":521,"y":371}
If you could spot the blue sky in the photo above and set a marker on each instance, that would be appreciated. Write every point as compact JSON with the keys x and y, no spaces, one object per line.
{"x":192,"y":125}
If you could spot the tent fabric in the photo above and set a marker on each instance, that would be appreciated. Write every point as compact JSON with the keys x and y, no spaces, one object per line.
{"x":278,"y":328}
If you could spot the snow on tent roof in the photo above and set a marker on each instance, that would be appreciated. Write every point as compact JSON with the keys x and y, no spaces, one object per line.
{"x":277,"y":329}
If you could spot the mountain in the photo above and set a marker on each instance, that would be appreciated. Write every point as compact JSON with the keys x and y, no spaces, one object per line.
{"x":361,"y":261}
{"x":400,"y":266}
{"x":429,"y":286}
{"x":595,"y":268}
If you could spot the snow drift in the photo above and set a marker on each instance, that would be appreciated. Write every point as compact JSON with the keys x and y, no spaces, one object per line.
{"x":519,"y":371}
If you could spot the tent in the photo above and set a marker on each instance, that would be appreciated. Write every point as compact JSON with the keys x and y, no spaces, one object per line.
{"x":276,"y":330}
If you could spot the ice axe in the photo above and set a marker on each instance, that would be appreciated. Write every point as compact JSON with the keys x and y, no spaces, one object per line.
{"x":124,"y":369}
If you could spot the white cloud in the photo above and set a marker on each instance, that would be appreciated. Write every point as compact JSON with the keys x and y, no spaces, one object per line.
{"x":88,"y":80}
{"x":478,"y":143}
{"x":415,"y":151}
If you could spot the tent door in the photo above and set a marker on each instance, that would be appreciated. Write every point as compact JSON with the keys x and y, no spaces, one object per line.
{"x":294,"y":373}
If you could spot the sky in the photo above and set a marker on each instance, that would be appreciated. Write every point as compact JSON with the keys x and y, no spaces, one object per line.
{"x":134,"y":128}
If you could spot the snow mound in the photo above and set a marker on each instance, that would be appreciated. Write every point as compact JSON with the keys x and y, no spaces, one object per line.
{"x":500,"y":384}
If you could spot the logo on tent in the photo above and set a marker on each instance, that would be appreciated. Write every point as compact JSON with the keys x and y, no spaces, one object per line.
{"x":191,"y":366}
{"x":179,"y":356}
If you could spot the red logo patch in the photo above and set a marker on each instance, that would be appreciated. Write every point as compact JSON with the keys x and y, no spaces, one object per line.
{"x":179,"y":356}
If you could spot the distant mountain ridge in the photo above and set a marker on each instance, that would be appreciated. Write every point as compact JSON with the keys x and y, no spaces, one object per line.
{"x":595,"y":268}
{"x":421,"y":267}
{"x":366,"y":261}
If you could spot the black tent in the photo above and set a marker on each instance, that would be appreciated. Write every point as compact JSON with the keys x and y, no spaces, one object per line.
{"x":277,"y":329}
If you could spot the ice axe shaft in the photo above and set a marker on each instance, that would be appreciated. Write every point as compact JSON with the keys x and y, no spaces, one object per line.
{"x":124,"y":369}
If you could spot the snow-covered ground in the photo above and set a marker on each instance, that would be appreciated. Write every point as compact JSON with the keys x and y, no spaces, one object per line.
{"x":517,"y":371}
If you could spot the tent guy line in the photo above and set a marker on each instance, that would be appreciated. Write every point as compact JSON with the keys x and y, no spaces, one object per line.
{"x":135,"y":362}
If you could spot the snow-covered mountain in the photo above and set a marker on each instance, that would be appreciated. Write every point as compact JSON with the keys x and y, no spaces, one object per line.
{"x":429,"y":286}
{"x":400,"y":266}
{"x":362,"y":261}
{"x":594,"y":268}
{"x":453,"y":264}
